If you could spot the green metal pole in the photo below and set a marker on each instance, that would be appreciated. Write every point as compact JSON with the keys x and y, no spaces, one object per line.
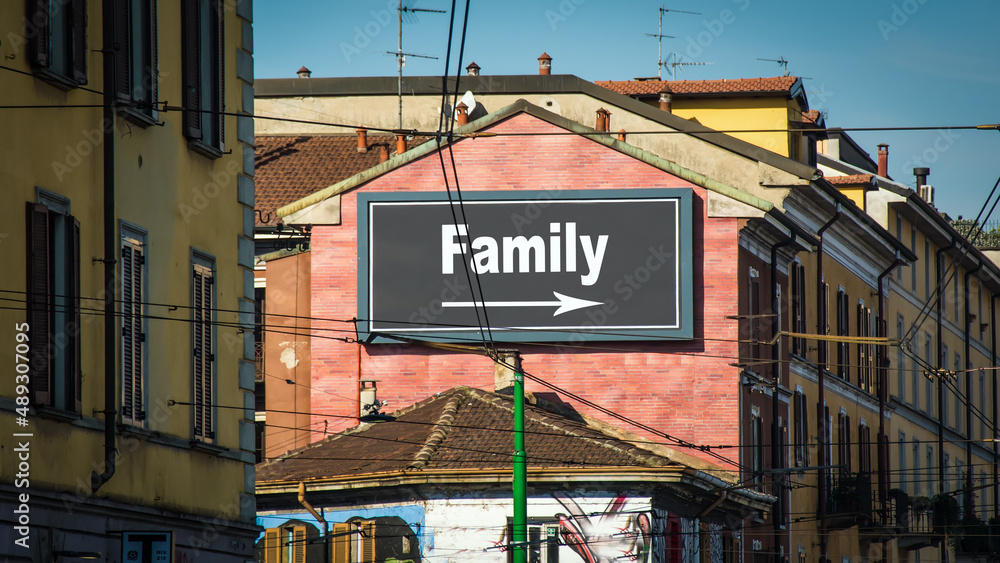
{"x":520,"y":529}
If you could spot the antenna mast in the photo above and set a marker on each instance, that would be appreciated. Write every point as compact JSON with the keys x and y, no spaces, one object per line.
{"x":659,"y":40}
{"x":401,"y":56}
{"x":781,"y":61}
{"x":675,"y":63}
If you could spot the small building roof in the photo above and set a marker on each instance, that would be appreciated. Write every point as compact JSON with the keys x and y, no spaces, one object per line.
{"x":775,"y":85}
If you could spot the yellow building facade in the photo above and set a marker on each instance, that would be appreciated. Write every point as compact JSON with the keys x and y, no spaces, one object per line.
{"x":130,"y":218}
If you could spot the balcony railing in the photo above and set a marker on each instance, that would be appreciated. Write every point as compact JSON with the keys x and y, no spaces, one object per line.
{"x":850,"y":501}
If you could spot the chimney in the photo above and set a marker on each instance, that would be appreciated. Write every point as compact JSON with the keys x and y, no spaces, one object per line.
{"x":621,"y":135}
{"x":603,"y":116}
{"x":921,"y":175}
{"x":362,"y":139}
{"x":666,"y":99}
{"x":383,"y":152}
{"x":463,"y":113}
{"x":304,"y":72}
{"x":545,"y":64}
{"x":400,"y":143}
{"x":883,"y":160}
{"x":472,"y":69}
{"x":503,"y":375}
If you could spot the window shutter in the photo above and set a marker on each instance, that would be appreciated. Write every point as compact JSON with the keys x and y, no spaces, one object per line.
{"x":78,"y":17}
{"x":221,"y":44}
{"x":341,"y":543}
{"x":191,"y":54}
{"x":367,"y":542}
{"x":272,"y":545}
{"x":298,"y":544}
{"x":203,"y":352}
{"x":154,"y":72}
{"x":75,"y":348}
{"x":39,"y":301}
{"x":38,"y":16}
{"x":133,"y":338}
{"x":123,"y":50}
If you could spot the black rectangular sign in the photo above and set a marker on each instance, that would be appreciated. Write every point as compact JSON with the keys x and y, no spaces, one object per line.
{"x":548,"y":266}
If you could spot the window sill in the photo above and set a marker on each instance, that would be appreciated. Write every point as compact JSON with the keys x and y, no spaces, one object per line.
{"x":199,"y":446}
{"x":137,"y":116}
{"x":55,"y":79}
{"x":204,"y":149}
{"x":54,"y":413}
{"x":138,"y":431}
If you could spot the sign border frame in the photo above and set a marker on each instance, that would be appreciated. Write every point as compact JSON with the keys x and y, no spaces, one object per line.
{"x":685,"y":231}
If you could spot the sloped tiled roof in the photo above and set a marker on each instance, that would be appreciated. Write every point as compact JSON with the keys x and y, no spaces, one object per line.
{"x":470,"y":429}
{"x":290,"y":167}
{"x":811,"y":116}
{"x":775,"y":85}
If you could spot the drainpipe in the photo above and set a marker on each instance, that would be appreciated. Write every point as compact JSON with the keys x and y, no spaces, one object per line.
{"x":319,"y":518}
{"x":996,"y":411}
{"x":110,"y":244}
{"x":883,"y":387}
{"x":776,"y":351}
{"x":939,"y":307}
{"x":821,"y":317}
{"x":968,"y":386}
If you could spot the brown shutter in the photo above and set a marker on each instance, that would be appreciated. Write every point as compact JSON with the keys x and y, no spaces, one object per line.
{"x":123,"y":50}
{"x":39,"y":301}
{"x":221,"y":54}
{"x":203,"y":358}
{"x":272,"y":545}
{"x":74,"y":347}
{"x":78,"y":17}
{"x":191,"y":56}
{"x":298,"y":544}
{"x":340,"y":544}
{"x":154,"y":72}
{"x":38,"y":20}
{"x":367,"y":542}
{"x":133,"y":338}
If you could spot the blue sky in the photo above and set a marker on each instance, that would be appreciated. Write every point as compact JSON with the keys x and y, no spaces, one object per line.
{"x":869,"y":63}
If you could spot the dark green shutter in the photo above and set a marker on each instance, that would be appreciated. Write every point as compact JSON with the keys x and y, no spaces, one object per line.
{"x":39,"y":301}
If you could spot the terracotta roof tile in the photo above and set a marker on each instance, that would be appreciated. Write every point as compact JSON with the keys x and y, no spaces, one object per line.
{"x":290,"y":167}
{"x":776,"y":85}
{"x":851,"y":180}
{"x":466,"y":428}
{"x":811,"y":116}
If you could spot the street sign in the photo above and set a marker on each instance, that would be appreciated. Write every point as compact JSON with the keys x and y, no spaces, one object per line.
{"x":147,"y":547}
{"x":563,"y":265}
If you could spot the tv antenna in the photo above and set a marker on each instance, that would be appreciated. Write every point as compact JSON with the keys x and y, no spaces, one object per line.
{"x":675,"y":63}
{"x":406,"y":12}
{"x":659,"y":39}
{"x":781,"y":61}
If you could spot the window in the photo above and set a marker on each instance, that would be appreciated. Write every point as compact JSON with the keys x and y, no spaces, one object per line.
{"x":844,"y":441}
{"x":823,"y":325}
{"x":913,"y":267}
{"x":798,"y":308}
{"x":864,"y":448}
{"x":134,"y":313}
{"x":928,"y":355}
{"x":929,"y":479}
{"x":946,"y":466}
{"x":57,"y":44}
{"x":828,"y":432}
{"x":960,"y":486}
{"x":983,"y":507}
{"x":843,"y":348}
{"x":801,"y":423}
{"x":900,"y":360}
{"x":754,"y":312}
{"x":901,"y":472}
{"x":757,"y":449}
{"x":916,"y":373}
{"x":943,"y":365}
{"x":136,"y":74}
{"x":866,"y":361}
{"x":204,"y":72}
{"x":203,"y":332}
{"x":955,"y":296}
{"x":53,"y":302}
{"x":982,"y":406}
{"x":927,"y":269}
{"x":962,"y":392}
{"x":899,"y":237}
{"x":917,"y":475}
{"x":543,"y":542}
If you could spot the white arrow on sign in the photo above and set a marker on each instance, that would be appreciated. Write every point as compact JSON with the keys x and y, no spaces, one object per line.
{"x":564,"y":303}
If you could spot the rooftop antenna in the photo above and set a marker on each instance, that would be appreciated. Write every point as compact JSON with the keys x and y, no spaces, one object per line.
{"x":675,"y":63}
{"x":407,"y":10}
{"x":781,"y":61}
{"x":659,"y":40}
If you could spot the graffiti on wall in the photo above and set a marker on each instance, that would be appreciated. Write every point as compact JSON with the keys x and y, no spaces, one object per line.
{"x":613,"y":535}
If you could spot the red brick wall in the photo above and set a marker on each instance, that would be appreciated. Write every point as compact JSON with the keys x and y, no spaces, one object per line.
{"x":686,"y":389}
